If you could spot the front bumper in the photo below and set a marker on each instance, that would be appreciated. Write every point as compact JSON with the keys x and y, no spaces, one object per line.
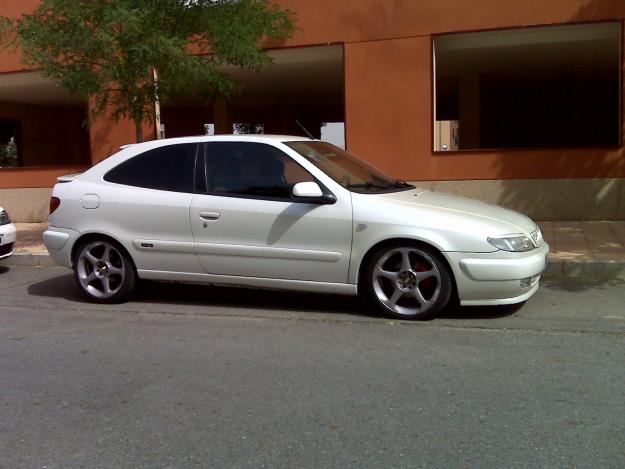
{"x":8,"y":236}
{"x":498,"y":277}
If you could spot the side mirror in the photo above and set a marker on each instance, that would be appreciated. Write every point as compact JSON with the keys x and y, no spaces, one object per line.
{"x":311,"y":192}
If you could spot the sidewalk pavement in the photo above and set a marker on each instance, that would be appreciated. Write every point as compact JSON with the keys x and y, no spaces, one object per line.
{"x":593,"y":249}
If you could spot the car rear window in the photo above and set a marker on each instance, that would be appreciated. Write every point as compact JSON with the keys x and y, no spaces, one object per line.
{"x":168,"y":168}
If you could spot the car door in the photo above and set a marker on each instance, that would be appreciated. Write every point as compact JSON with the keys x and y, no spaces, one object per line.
{"x":145,"y":204}
{"x":248,"y":223}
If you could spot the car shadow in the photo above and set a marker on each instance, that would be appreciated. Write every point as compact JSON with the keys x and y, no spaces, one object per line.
{"x":210,"y":295}
{"x":151,"y":292}
{"x":240,"y":297}
{"x":62,"y":287}
{"x":455,"y":311}
{"x":4,"y":269}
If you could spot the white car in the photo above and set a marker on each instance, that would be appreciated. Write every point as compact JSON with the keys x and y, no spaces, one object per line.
{"x":7,"y":234}
{"x":288,"y":213}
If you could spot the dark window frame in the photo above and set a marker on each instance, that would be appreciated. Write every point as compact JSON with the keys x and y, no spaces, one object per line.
{"x":194,"y":189}
{"x":331,"y":198}
{"x":621,"y":105}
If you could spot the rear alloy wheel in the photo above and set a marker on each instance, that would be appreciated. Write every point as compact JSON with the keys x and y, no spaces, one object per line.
{"x":104,"y":272}
{"x":407,"y":282}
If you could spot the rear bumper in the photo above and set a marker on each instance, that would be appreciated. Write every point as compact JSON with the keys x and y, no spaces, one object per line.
{"x":8,"y":236}
{"x":498,"y":277}
{"x":59,"y":242}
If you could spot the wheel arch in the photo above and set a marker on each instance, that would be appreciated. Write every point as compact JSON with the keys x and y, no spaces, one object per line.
{"x":95,"y":236}
{"x":366,"y":258}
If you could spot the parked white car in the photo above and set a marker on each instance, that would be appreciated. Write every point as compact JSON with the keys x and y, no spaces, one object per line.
{"x":288,"y":213}
{"x":7,"y":234}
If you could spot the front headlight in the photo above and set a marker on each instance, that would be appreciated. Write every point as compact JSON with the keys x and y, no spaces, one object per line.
{"x":519,"y":243}
{"x":4,"y":218}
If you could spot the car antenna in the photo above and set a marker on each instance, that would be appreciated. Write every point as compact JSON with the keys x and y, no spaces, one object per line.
{"x":310,"y":136}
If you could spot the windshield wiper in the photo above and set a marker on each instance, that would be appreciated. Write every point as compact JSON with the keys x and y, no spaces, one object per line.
{"x":401,"y":183}
{"x":371,"y":185}
{"x":367,"y":185}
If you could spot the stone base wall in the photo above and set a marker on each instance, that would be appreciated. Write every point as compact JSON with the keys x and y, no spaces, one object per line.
{"x":546,"y":199}
{"x":26,"y":205}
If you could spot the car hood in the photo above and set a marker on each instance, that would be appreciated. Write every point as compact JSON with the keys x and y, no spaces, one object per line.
{"x":513,"y":222}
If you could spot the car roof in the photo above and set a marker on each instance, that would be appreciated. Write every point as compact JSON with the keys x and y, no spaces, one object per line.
{"x":221,"y":138}
{"x":128,"y":151}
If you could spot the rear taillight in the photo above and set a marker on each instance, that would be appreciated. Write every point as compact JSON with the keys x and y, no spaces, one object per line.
{"x":54,"y":204}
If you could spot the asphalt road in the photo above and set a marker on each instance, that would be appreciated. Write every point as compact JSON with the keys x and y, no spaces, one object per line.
{"x":191,"y":376}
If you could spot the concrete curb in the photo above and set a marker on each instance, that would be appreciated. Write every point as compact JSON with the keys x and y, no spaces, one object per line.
{"x":29,"y":259}
{"x":605,"y":269}
{"x":556,"y":268}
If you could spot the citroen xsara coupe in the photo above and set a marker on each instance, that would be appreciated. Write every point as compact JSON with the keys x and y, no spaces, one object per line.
{"x":287,"y":213}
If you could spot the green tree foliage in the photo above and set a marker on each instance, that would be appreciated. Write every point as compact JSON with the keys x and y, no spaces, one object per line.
{"x":247,"y":128}
{"x":8,"y":154}
{"x":108,"y":50}
{"x":8,"y":147}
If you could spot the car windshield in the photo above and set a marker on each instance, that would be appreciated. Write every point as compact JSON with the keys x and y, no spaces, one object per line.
{"x":349,"y":171}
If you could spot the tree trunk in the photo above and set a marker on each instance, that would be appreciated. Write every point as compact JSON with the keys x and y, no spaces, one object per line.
{"x":138,"y":130}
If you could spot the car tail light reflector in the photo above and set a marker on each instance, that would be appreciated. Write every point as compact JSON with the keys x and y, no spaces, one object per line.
{"x":54,"y":204}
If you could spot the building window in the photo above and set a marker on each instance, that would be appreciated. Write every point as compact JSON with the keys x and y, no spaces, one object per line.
{"x":539,"y":87}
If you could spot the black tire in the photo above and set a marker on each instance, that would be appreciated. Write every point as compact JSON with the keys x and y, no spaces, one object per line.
{"x":398,"y":292}
{"x":103,"y":271}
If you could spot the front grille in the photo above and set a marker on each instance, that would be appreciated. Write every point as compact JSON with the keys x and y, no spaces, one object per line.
{"x":6,"y":248}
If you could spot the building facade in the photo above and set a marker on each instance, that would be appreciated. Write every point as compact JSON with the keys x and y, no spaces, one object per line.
{"x":515,"y":103}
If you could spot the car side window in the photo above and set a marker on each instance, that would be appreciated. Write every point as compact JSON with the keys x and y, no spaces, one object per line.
{"x":251,"y":169}
{"x":168,"y":168}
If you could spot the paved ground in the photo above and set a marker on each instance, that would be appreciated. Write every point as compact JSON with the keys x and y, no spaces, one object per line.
{"x":29,"y":237}
{"x":590,"y":240}
{"x":189,"y":376}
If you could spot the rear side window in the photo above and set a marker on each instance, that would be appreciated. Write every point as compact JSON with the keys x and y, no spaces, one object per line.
{"x":168,"y":168}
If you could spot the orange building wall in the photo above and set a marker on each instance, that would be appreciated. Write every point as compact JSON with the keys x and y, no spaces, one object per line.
{"x":389,"y":121}
{"x":106,"y":135}
{"x":388,"y":74}
{"x":388,"y":102}
{"x":10,"y":61}
{"x":17,"y":178}
{"x":324,"y":21}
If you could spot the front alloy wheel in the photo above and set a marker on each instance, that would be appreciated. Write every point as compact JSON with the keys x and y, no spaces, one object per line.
{"x":407,"y":282}
{"x":103,"y":272}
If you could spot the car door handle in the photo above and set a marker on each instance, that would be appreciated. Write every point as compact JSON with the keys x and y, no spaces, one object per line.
{"x":209,"y":215}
